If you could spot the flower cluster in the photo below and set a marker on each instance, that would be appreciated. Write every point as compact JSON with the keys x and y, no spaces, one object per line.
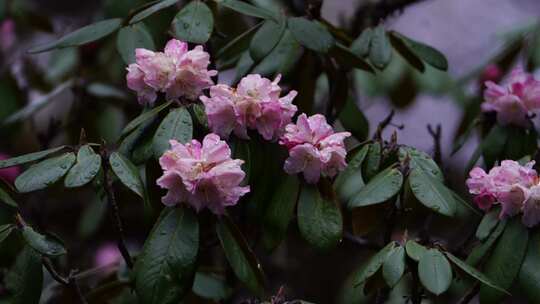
{"x":202,"y":175}
{"x":254,"y":104}
{"x":177,"y":72}
{"x":514,"y":100}
{"x":314,"y":148}
{"x":515,"y":187}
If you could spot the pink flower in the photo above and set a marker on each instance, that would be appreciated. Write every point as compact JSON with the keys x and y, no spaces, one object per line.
{"x":11,"y":173}
{"x":254,"y":104}
{"x":202,"y":175}
{"x":314,"y":148}
{"x":177,"y":72}
{"x":106,"y":255}
{"x":514,"y":100}
{"x":491,"y":72}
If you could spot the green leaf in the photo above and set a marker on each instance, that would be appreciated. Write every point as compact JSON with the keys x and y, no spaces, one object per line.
{"x":132,"y":37}
{"x":503,"y":265}
{"x":380,"y":51}
{"x":350,"y":181}
{"x":478,"y":252}
{"x":282,"y":58}
{"x":165,"y":269}
{"x":5,"y":230}
{"x":145,"y":116}
{"x":361,"y":45}
{"x":432,"y":193}
{"x":82,"y":36}
{"x":25,"y":279}
{"x":247,"y":9}
{"x":488,"y":223}
{"x":434,"y":271}
{"x":147,"y":12}
{"x":425,"y":52}
{"x":238,"y":45}
{"x":319,"y":218}
{"x":529,"y":277}
{"x":266,"y":39}
{"x":473,"y":272}
{"x":373,"y":264}
{"x":394,"y":266}
{"x":211,"y":286}
{"x":401,"y":47}
{"x":373,"y":161}
{"x":354,"y":120}
{"x":46,"y":244}
{"x":176,"y":125}
{"x":6,"y":198}
{"x":493,"y":144}
{"x":45,"y":173}
{"x":86,"y":168}
{"x":421,"y":160}
{"x":311,"y":34}
{"x":379,"y":189}
{"x":241,"y":258}
{"x":347,"y":58}
{"x":414,"y":250}
{"x":194,"y":23}
{"x":280,"y":211}
{"x":26,"y":158}
{"x":127,"y":173}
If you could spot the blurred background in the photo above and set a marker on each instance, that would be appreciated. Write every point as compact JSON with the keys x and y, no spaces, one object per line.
{"x":49,"y":111}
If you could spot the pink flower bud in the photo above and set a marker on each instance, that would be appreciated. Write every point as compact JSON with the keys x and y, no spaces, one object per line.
{"x":11,"y":173}
{"x":202,"y":175}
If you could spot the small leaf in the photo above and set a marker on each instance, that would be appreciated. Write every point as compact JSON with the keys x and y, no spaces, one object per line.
{"x":5,"y":230}
{"x":282,"y":58}
{"x":311,"y":34}
{"x":380,"y":51}
{"x":379,"y":189}
{"x":86,"y":168}
{"x":373,"y":161}
{"x":247,"y":9}
{"x":45,"y":173}
{"x":176,"y":125}
{"x":127,"y":173}
{"x":432,"y":193}
{"x":394,"y":266}
{"x":211,"y":286}
{"x":434,"y":271}
{"x":165,"y":268}
{"x":238,"y":45}
{"x":503,"y":265}
{"x":319,"y":219}
{"x":266,"y":38}
{"x":132,"y":37}
{"x":6,"y":198}
{"x":414,"y":250}
{"x":361,"y":45}
{"x":25,"y":279}
{"x":421,"y":160}
{"x":481,"y":250}
{"x":82,"y":36}
{"x":354,"y":120}
{"x":45,"y":244}
{"x":425,"y":52}
{"x":345,"y":57}
{"x":23,"y":159}
{"x":194,"y":23}
{"x":350,"y":181}
{"x":147,"y":12}
{"x":473,"y":272}
{"x":243,"y":261}
{"x":373,"y":264}
{"x":529,"y":277}
{"x":488,"y":223}
{"x":280,"y":211}
{"x":145,"y":116}
{"x":401,"y":47}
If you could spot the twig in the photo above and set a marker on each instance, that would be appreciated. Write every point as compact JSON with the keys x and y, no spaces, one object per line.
{"x":470,"y":294}
{"x":69,"y":282}
{"x":436,"y":135}
{"x":387,"y":121}
{"x":114,"y":212}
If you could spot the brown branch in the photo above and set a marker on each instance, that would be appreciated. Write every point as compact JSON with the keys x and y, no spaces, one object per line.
{"x":114,"y":211}
{"x":436,"y":135}
{"x":69,"y":282}
{"x":387,"y":121}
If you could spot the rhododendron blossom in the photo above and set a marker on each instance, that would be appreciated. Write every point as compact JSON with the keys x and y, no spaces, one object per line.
{"x":314,"y":148}
{"x":253,"y":104}
{"x":514,"y":100}
{"x":177,"y":72}
{"x":202,"y":175}
{"x":515,"y":187}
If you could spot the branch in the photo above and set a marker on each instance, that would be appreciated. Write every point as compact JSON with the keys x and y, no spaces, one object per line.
{"x":114,"y":212}
{"x":360,"y":241}
{"x":69,"y":282}
{"x":372,"y":12}
{"x":385,"y":123}
{"x":436,"y":135}
{"x":471,"y":293}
